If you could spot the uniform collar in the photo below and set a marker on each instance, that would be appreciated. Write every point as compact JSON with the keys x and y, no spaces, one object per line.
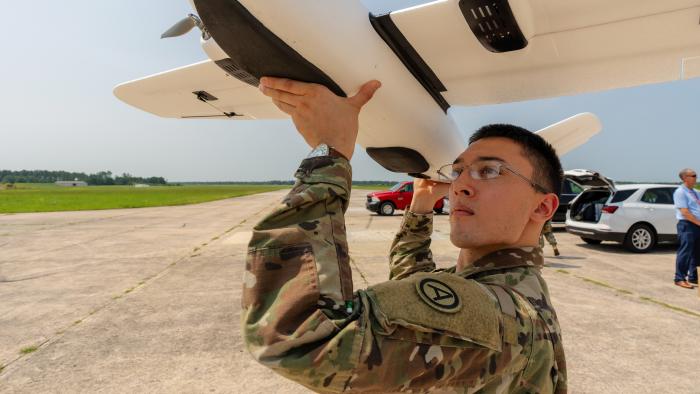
{"x":528,"y":256}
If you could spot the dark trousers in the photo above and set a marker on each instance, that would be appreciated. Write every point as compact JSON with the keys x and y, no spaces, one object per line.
{"x":688,"y":251}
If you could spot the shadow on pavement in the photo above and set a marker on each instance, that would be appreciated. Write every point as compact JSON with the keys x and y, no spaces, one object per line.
{"x":616,"y":248}
{"x":565,"y":257}
{"x":560,"y":265}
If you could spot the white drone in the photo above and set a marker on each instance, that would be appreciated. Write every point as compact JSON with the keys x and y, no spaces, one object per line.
{"x":428,"y":58}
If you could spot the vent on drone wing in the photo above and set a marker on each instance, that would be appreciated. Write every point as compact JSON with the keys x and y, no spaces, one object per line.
{"x":493,"y":24}
{"x":235,"y":71}
{"x":205,"y":96}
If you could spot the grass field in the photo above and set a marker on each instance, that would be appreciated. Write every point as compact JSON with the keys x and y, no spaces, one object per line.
{"x":50,"y":198}
{"x":24,"y":197}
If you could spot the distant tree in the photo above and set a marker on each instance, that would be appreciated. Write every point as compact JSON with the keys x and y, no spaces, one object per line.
{"x":156,"y":180}
{"x":99,"y":178}
{"x":124,"y":179}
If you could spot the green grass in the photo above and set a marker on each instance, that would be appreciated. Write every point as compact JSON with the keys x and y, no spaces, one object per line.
{"x":669,"y":306}
{"x":603,"y":284}
{"x":29,"y":349}
{"x":629,"y":293}
{"x":51,"y":198}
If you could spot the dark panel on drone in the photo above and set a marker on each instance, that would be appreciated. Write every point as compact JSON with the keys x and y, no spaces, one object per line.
{"x":399,"y":159}
{"x":390,"y":33}
{"x":254,"y":51}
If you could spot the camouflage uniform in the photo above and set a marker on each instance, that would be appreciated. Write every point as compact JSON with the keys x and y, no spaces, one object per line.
{"x":489,"y":328}
{"x":548,"y":232}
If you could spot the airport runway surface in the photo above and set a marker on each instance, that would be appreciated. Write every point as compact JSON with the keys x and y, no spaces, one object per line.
{"x":147,"y":300}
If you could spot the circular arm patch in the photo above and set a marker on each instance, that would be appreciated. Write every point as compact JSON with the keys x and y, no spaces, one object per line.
{"x":438,"y":295}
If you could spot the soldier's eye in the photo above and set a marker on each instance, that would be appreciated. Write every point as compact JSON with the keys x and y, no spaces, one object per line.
{"x":488,"y":171}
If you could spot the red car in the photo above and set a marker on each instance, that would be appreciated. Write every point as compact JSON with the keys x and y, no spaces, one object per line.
{"x":398,"y":197}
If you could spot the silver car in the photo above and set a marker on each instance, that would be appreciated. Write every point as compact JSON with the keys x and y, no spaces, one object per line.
{"x":638,"y":215}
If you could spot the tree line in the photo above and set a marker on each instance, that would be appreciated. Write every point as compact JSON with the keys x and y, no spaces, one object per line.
{"x":97,"y":179}
{"x":280,"y":182}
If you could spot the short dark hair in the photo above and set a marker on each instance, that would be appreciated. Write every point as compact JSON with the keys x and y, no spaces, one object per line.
{"x":546,"y":166}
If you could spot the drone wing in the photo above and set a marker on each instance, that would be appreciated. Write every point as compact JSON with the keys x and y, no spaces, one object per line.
{"x":200,"y":90}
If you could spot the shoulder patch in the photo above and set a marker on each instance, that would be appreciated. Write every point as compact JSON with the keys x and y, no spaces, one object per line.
{"x":439,"y":303}
{"x":438,"y":295}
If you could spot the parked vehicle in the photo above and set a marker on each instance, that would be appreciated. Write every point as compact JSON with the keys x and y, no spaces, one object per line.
{"x":397,"y":198}
{"x":576,"y":181}
{"x":446,"y":205}
{"x":639,"y":216}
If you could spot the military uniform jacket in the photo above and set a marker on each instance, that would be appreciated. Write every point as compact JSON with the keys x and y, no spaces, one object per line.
{"x":489,"y":328}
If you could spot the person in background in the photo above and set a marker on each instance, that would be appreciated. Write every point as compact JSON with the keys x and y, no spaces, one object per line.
{"x":687,"y":202}
{"x":548,"y":232}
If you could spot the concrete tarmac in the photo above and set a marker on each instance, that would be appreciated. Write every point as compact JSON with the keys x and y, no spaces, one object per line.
{"x":147,"y":300}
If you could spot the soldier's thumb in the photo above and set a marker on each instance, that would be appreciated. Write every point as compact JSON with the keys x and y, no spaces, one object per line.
{"x":365,"y":94}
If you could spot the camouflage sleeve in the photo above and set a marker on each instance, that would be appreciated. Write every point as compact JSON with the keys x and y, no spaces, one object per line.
{"x":410,"y":251}
{"x":298,"y":316}
{"x":301,"y":318}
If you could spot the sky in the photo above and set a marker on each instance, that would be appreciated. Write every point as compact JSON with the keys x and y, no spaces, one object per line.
{"x":57,"y":110}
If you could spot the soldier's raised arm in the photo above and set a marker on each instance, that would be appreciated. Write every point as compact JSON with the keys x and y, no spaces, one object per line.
{"x":431,"y":330}
{"x":299,"y":316}
{"x":410,"y":251}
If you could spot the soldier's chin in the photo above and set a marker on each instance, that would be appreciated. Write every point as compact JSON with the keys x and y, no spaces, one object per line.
{"x":462,"y":226}
{"x":463,"y":242}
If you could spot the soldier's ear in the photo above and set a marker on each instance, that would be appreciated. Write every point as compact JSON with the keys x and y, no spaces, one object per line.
{"x":546,"y":207}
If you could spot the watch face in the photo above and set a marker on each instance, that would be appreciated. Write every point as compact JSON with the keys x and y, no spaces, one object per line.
{"x":321,"y":150}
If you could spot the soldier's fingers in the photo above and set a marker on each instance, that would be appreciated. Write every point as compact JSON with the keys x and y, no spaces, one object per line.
{"x":279,"y":95}
{"x":287,"y":85}
{"x":365,"y":94}
{"x":284,"y":107}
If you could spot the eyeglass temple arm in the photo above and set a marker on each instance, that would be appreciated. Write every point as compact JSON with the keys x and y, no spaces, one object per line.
{"x":533,"y":184}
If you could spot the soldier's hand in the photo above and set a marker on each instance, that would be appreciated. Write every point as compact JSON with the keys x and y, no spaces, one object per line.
{"x":318,"y":114}
{"x":426,"y":193}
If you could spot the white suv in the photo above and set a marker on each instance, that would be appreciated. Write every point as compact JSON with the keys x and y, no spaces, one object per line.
{"x":639,"y":216}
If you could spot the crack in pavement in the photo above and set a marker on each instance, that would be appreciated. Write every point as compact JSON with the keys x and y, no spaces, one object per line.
{"x":4,"y":279}
{"x":369,"y":222}
{"x":143,"y":283}
{"x":106,"y":236}
{"x":359,"y":271}
{"x":60,"y":225}
{"x":632,"y":294}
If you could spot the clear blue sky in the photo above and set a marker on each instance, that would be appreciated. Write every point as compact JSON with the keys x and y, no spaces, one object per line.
{"x":62,"y":59}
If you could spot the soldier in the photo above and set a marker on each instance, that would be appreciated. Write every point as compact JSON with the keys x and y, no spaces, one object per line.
{"x":548,"y":232}
{"x":486,"y":324}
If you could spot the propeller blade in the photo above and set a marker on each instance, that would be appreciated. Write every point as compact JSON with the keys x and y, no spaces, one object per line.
{"x":180,"y":28}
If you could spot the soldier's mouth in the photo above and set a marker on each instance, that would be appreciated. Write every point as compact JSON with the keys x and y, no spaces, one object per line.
{"x":462,"y":211}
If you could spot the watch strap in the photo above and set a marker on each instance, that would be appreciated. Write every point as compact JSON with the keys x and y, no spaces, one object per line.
{"x":332,"y":152}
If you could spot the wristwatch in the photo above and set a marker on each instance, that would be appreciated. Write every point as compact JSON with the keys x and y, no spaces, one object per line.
{"x":324,"y":150}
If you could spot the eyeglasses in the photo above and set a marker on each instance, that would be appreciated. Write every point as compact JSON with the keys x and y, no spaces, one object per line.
{"x":693,"y":175}
{"x":483,"y":170}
